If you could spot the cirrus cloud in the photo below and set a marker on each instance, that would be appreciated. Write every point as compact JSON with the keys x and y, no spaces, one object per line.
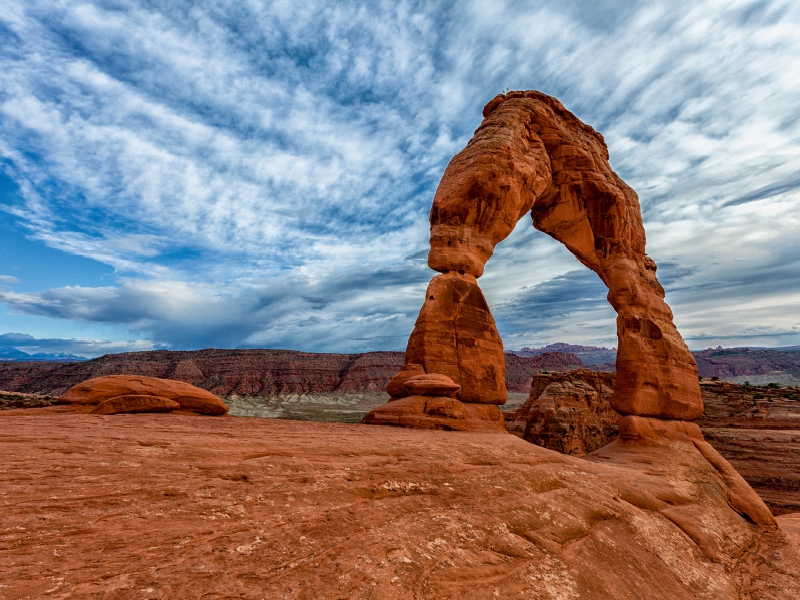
{"x":258,"y":173}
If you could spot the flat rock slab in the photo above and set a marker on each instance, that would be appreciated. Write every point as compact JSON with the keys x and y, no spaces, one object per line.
{"x":172,"y":506}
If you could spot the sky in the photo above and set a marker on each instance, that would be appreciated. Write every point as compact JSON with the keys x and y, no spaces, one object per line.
{"x":240,"y":173}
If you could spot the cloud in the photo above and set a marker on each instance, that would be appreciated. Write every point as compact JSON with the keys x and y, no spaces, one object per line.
{"x":344,"y":311}
{"x":261,"y":173}
{"x":9,"y":279}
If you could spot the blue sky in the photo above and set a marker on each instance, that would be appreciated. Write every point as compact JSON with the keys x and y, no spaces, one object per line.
{"x":258,"y":174}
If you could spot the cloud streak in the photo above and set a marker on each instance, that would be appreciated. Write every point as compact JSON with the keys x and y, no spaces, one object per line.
{"x":260,"y":173}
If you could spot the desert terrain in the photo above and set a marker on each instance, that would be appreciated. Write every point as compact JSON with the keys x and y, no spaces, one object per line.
{"x":167,"y":506}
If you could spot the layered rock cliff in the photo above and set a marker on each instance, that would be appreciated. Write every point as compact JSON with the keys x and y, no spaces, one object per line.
{"x":254,"y":372}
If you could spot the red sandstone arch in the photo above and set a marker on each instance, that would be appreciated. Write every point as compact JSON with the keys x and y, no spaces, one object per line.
{"x":531,"y":155}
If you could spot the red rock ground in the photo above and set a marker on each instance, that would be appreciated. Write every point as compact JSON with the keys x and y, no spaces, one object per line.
{"x":166,"y":506}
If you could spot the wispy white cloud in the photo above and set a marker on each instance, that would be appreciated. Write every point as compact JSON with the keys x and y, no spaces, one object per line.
{"x":290,"y":151}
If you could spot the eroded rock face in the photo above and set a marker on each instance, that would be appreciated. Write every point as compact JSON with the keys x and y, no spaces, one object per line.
{"x":532,"y":155}
{"x":432,"y":385}
{"x":455,"y":335}
{"x":756,"y":430}
{"x":135,"y":403}
{"x":436,"y":412}
{"x":129,"y":389}
{"x":568,"y":412}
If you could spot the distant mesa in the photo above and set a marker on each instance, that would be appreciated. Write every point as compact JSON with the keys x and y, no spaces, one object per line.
{"x":589,"y":355}
{"x":114,"y":394}
{"x":255,"y":372}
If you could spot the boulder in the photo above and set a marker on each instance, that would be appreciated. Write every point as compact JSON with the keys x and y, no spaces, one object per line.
{"x":396,"y":387}
{"x":188,"y":397}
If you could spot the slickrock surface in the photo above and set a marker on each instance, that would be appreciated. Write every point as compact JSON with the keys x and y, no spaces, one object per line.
{"x":756,"y":429}
{"x":254,"y":373}
{"x":569,"y":413}
{"x":164,"y":506}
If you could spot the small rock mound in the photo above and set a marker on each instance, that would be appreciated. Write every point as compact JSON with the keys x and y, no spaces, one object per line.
{"x":135,"y":393}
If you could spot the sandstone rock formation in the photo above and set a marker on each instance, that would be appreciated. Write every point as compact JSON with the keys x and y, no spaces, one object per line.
{"x":532,"y":155}
{"x":757,"y":430}
{"x":568,"y":412}
{"x":128,"y":393}
{"x":151,"y":507}
{"x":455,"y":335}
{"x":436,"y":412}
{"x":432,"y":385}
{"x":432,"y":405}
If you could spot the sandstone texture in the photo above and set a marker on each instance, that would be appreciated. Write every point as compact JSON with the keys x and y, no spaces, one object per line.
{"x":455,"y":335}
{"x":135,"y":403}
{"x":531,"y":155}
{"x":431,"y":385}
{"x":254,"y":373}
{"x":440,"y":413}
{"x":568,"y":412}
{"x":172,"y":507}
{"x":757,"y":430}
{"x":129,"y":393}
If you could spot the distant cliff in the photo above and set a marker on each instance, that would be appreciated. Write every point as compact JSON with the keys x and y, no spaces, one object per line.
{"x":254,"y":372}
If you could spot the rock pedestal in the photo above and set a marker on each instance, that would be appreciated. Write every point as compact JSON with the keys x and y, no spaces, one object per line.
{"x":431,"y":405}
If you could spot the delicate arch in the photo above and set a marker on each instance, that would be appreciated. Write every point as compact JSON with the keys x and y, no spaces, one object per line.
{"x":531,"y":155}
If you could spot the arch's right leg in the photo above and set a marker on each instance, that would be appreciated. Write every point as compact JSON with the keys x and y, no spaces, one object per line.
{"x":597,"y":216}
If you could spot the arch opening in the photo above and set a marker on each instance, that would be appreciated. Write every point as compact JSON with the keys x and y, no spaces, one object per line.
{"x":530,"y":156}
